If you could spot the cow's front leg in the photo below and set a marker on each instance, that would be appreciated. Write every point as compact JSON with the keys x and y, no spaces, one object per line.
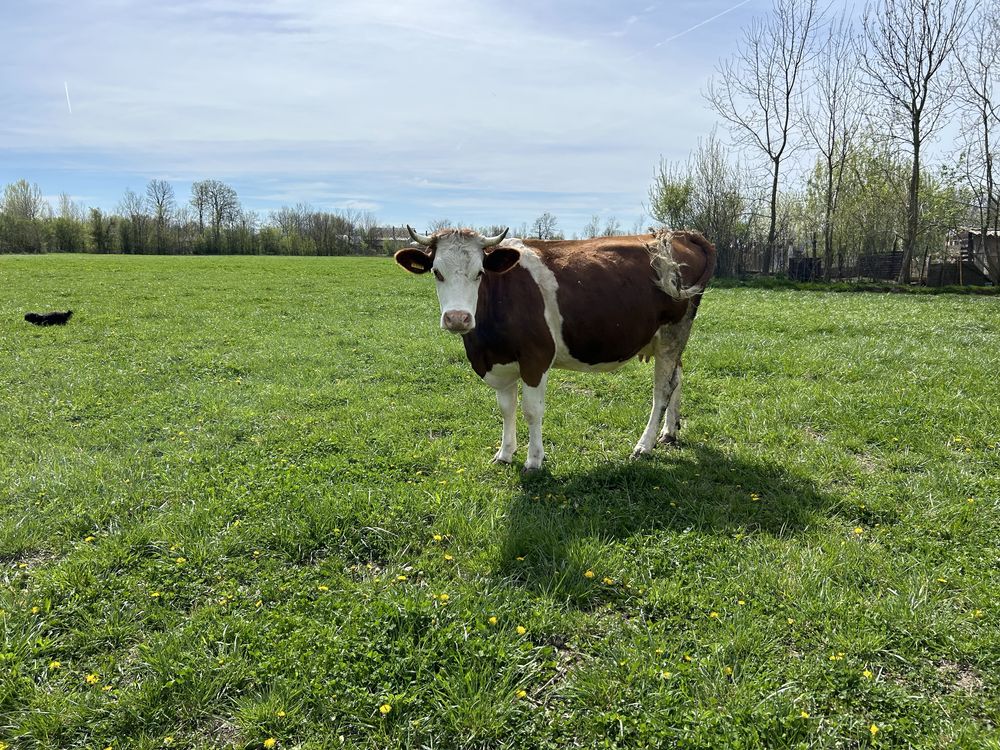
{"x":503,"y":379}
{"x":507,"y":399}
{"x":533,"y":404}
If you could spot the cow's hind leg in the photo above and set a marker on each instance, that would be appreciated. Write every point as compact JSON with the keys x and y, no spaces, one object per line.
{"x":672,"y":423}
{"x":668,"y":346}
{"x":533,"y":404}
{"x":666,"y":378}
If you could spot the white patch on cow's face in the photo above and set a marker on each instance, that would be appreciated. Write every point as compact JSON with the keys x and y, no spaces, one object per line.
{"x":458,"y":269}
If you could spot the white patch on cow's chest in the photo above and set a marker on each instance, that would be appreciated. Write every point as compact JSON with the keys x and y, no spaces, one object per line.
{"x":548,"y":285}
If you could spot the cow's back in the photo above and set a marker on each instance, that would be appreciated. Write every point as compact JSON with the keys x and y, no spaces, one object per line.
{"x":608,"y":297}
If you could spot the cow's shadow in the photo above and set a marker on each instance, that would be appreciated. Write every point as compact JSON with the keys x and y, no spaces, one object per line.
{"x":556,"y":523}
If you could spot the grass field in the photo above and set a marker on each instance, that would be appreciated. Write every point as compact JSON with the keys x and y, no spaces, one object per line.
{"x":247,"y":502}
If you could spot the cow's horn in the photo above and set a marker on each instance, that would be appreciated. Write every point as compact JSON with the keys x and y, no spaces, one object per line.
{"x":491,"y":241}
{"x":420,"y":239}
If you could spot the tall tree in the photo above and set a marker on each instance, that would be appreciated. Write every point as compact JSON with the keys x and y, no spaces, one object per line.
{"x":133,"y":232}
{"x":545,"y":227}
{"x":908,"y":44}
{"x":979,"y":63}
{"x":757,"y":91}
{"x":835,"y":114}
{"x":23,"y":200}
{"x":160,"y":197}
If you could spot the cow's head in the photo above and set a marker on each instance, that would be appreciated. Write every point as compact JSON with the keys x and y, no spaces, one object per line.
{"x":458,"y":258}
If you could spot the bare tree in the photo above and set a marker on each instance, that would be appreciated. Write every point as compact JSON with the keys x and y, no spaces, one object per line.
{"x":438,"y":224}
{"x":160,"y":196}
{"x":199,"y":201}
{"x":908,"y":46}
{"x":545,"y":227}
{"x":979,"y":63}
{"x":133,"y":233}
{"x":835,"y":115}
{"x":593,"y":227}
{"x":223,"y":206}
{"x":757,"y":90}
{"x":612,"y":227}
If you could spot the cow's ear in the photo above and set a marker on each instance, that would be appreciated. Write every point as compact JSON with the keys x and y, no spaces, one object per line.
{"x":414,"y":260}
{"x":501,"y":260}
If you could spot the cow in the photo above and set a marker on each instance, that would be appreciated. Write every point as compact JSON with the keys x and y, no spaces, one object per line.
{"x":525,"y":306}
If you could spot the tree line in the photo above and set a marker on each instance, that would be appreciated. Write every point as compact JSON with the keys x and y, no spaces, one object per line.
{"x":829,"y":122}
{"x":211,"y":221}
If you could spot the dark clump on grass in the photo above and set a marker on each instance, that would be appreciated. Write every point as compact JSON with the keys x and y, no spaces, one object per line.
{"x":54,"y":318}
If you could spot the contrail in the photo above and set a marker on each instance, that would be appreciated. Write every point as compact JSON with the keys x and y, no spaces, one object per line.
{"x":66,"y":85}
{"x":688,"y":31}
{"x":699,"y":25}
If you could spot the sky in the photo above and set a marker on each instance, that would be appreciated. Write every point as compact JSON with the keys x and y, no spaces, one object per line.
{"x":482,"y":112}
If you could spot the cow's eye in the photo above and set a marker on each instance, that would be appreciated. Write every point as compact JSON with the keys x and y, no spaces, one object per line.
{"x":437,"y":275}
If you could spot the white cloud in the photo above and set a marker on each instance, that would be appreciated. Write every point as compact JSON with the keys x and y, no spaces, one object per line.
{"x":386,"y":104}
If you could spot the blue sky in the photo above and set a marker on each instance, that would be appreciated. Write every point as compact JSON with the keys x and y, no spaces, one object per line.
{"x":483,"y":112}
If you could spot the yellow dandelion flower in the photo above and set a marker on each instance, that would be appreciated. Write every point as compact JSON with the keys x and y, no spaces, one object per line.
{"x":181,"y":560}
{"x":804,"y":714}
{"x":791,"y":620}
{"x":608,"y":581}
{"x":589,"y":574}
{"x":942,"y":580}
{"x":384,"y":709}
{"x":55,"y":664}
{"x":92,"y":678}
{"x":659,"y":652}
{"x":35,"y":610}
{"x":443,"y":598}
{"x":521,"y":693}
{"x":714,"y":615}
{"x":521,"y":630}
{"x":858,"y":530}
{"x":687,"y":658}
{"x":492,"y":621}
{"x":449,"y":558}
{"x":728,"y":671}
{"x":665,"y":675}
{"x":106,"y":688}
{"x":281,"y":714}
{"x":741,"y":602}
{"x":155,"y":594}
{"x":270,"y":742}
{"x":89,"y":539}
{"x":323,"y":588}
{"x":519,"y":559}
{"x":400,"y":578}
{"x":977,"y":613}
{"x":873,"y":729}
{"x":867,"y":674}
{"x":438,"y":537}
{"x":168,"y":740}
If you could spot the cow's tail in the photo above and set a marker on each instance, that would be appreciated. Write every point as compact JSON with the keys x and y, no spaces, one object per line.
{"x":668,"y":268}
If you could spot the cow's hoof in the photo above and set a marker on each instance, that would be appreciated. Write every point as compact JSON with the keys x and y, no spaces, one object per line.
{"x":531,"y":468}
{"x":640,"y":452}
{"x":667,"y":440}
{"x":499,"y":458}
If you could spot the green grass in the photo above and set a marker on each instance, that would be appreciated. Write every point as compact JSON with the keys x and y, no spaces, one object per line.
{"x":252,"y":498}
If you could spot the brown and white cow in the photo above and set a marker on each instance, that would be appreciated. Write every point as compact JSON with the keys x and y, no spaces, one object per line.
{"x":523,"y":307}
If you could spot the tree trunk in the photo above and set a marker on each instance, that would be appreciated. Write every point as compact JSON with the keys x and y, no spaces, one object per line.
{"x":828,"y":224}
{"x":912,"y":210}
{"x":773,"y":227}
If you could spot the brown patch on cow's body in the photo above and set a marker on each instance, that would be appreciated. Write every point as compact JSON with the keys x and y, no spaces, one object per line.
{"x":510,"y":326}
{"x":608,"y":296}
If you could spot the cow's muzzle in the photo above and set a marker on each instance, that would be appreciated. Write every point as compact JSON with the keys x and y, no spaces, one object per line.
{"x":458,"y":321}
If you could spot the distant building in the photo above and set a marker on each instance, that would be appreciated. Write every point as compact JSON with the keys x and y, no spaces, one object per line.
{"x":967,"y":259}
